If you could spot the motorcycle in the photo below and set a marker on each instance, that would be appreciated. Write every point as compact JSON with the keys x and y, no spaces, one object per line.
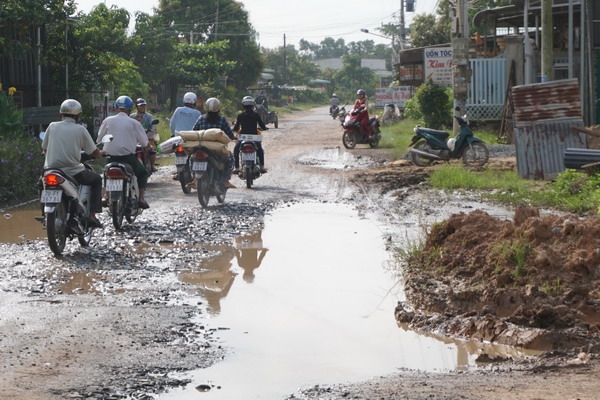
{"x":353,"y":133}
{"x":429,"y":145}
{"x":250,"y":168}
{"x":268,"y":117}
{"x":66,"y":208}
{"x":121,"y":188}
{"x":208,"y":172}
{"x":184,"y":174}
{"x":143,"y":154}
{"x":334,"y":111}
{"x":342,"y":114}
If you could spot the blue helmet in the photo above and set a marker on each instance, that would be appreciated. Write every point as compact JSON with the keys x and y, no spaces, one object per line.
{"x":124,"y":103}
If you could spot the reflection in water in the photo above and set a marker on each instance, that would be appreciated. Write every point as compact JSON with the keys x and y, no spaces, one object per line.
{"x":249,"y":253}
{"x":213,"y":278}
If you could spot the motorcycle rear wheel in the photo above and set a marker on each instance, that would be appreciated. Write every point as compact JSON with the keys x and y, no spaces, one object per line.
{"x":132,"y":213}
{"x":418,"y":159}
{"x":185,"y":177}
{"x":117,"y":208}
{"x":475,"y":155}
{"x":249,"y":179}
{"x":56,"y":228}
{"x":203,"y":188}
{"x":349,"y":140}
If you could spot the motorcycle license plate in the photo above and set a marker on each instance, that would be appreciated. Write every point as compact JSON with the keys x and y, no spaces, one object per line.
{"x":180,"y":160}
{"x":248,"y":156}
{"x":114,"y":185}
{"x":254,"y":138}
{"x":199,"y":166}
{"x":51,"y":196}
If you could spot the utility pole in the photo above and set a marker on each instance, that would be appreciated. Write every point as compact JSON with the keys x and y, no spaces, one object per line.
{"x":547,"y":42}
{"x":460,"y":60}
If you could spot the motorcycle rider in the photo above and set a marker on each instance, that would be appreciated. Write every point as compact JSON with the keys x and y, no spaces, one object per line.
{"x":126,"y":133}
{"x":146,"y":120}
{"x":248,"y":121}
{"x":212,"y":119}
{"x":63,"y":143}
{"x":361,"y":108}
{"x":334,"y":102}
{"x":184,"y":118}
{"x":263,"y":111}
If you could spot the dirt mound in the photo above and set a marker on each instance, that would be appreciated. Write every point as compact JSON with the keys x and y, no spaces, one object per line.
{"x":532,"y":282}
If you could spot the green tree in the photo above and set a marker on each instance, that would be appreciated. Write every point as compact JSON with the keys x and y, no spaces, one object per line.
{"x":353,"y":77}
{"x":100,"y":50}
{"x":427,"y":30}
{"x":212,"y":21}
{"x":433,"y":101}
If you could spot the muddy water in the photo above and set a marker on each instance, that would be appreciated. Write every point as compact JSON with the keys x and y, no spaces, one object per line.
{"x":307,"y":300}
{"x":19,"y":225}
{"x":315,"y":305}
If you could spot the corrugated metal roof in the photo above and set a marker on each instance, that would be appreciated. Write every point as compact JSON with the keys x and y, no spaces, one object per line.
{"x":546,"y":101}
{"x":544,"y":114}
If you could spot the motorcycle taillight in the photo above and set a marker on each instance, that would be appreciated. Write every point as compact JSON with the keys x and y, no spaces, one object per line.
{"x":200,"y":155}
{"x":53,"y":180}
{"x":115,"y":173}
{"x":180,"y":151}
{"x":248,"y":148}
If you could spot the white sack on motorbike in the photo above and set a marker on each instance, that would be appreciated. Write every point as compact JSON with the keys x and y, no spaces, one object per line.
{"x":207,"y":135}
{"x":168,"y":146}
{"x":211,"y":145}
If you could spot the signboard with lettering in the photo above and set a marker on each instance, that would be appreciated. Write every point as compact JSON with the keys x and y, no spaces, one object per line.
{"x":438,"y":65}
{"x":396,"y":95}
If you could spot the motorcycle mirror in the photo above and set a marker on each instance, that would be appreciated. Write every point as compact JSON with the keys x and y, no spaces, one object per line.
{"x":155,"y":122}
{"x":107,"y":138}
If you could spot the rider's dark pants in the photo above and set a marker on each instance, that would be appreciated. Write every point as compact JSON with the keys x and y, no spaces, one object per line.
{"x":259,"y":152}
{"x":87,"y":177}
{"x":138,"y":168}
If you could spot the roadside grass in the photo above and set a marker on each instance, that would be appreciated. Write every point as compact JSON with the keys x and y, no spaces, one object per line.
{"x":571,"y":191}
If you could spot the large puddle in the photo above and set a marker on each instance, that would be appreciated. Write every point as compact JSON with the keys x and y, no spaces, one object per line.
{"x":315,"y":305}
{"x":309,"y":299}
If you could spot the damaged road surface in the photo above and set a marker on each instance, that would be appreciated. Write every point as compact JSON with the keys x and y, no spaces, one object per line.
{"x":288,"y":287}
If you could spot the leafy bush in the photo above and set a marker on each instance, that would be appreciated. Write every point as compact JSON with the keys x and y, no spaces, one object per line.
{"x":21,"y":158}
{"x":431,"y":106}
{"x":21,"y":164}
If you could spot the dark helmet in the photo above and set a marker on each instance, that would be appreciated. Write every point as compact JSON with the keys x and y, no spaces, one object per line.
{"x":124,"y":103}
{"x":140,"y":102}
{"x":360,"y":91}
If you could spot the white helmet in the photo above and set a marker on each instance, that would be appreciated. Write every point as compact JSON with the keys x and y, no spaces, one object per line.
{"x":70,"y":107}
{"x":212,"y":105}
{"x":248,"y":101}
{"x":189,"y":98}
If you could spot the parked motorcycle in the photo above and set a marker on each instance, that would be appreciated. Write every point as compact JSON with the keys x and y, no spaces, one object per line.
{"x":353,"y":133}
{"x":122,"y":191}
{"x":429,"y":145}
{"x":250,"y":168}
{"x":143,"y":154}
{"x":66,"y":208}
